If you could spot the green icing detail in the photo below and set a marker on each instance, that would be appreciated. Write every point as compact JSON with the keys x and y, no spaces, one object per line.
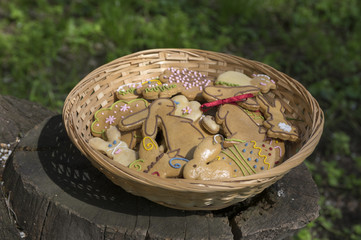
{"x":160,"y":88}
{"x":253,"y":115}
{"x":125,"y":92}
{"x":135,"y":164}
{"x":111,"y":108}
{"x":227,"y":84}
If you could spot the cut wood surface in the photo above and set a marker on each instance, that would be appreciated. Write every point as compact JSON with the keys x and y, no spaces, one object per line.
{"x":17,"y":116}
{"x":57,"y":194}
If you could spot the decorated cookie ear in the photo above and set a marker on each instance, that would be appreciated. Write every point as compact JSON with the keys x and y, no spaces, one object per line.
{"x":153,"y":160}
{"x":203,"y":167}
{"x":275,"y":120}
{"x":187,"y":109}
{"x":263,"y":82}
{"x":191,"y":83}
{"x":114,"y":148}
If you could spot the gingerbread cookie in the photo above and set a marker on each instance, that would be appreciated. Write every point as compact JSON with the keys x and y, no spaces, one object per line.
{"x":220,"y":92}
{"x":179,"y":133}
{"x":134,"y":90}
{"x":209,"y":123}
{"x":203,"y":166}
{"x":210,"y":162}
{"x":263,"y":82}
{"x":233,"y":79}
{"x":280,"y":149}
{"x":114,"y":147}
{"x":275,"y":121}
{"x":154,"y":161}
{"x":156,"y":91}
{"x":249,"y":157}
{"x":187,"y":109}
{"x":191,"y":83}
{"x":106,"y":117}
{"x":238,"y":123}
{"x":128,"y":91}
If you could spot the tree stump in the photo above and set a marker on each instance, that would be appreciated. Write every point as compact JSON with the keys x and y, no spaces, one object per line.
{"x":57,"y":194}
{"x":17,"y":116}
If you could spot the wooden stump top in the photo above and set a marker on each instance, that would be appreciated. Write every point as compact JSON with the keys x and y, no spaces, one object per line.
{"x":57,"y":194}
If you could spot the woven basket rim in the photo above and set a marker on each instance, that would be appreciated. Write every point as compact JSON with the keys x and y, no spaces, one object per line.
{"x":202,"y":185}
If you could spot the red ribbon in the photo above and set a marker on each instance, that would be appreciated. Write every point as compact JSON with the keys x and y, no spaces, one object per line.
{"x":205,"y":106}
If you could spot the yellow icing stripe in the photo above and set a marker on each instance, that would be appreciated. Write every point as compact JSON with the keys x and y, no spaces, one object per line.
{"x":149,"y":146}
{"x":234,"y":161}
{"x":230,"y":149}
{"x":264,"y":156}
{"x":244,"y":159}
{"x":153,"y":80}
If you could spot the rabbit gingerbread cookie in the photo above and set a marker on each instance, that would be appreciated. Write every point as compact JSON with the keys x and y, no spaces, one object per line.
{"x":153,"y":160}
{"x":211,"y":162}
{"x":276,"y":122}
{"x":114,"y":147}
{"x":236,"y":121}
{"x":204,"y":166}
{"x":107,"y":117}
{"x":180,"y":134}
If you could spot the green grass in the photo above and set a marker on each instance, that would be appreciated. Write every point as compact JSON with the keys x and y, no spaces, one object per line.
{"x":47,"y":46}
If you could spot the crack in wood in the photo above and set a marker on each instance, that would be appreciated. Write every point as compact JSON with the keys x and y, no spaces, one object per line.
{"x":44,"y":221}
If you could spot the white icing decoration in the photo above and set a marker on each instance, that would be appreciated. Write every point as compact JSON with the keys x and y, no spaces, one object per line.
{"x":285,"y":127}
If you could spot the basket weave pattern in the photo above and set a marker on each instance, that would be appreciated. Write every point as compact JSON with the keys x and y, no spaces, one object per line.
{"x":97,"y":90}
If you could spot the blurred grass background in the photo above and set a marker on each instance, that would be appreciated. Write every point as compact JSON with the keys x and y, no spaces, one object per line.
{"x":47,"y":46}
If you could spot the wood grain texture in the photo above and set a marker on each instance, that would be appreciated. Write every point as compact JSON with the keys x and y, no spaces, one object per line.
{"x":57,"y":194}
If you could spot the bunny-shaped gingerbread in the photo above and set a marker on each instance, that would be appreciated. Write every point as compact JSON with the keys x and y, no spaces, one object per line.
{"x":211,"y":162}
{"x":114,"y":148}
{"x":202,"y":166}
{"x":275,"y":121}
{"x":180,"y":134}
{"x":236,"y":121}
{"x":253,"y":123}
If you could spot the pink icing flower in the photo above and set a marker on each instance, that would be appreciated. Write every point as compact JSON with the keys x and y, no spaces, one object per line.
{"x":124,"y":108}
{"x":110,"y":119}
{"x":186,"y":110}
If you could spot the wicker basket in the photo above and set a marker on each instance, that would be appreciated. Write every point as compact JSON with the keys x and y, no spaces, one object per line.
{"x":97,"y":90}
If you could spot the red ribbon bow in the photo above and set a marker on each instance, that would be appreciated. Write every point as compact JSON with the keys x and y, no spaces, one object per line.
{"x":205,"y":106}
